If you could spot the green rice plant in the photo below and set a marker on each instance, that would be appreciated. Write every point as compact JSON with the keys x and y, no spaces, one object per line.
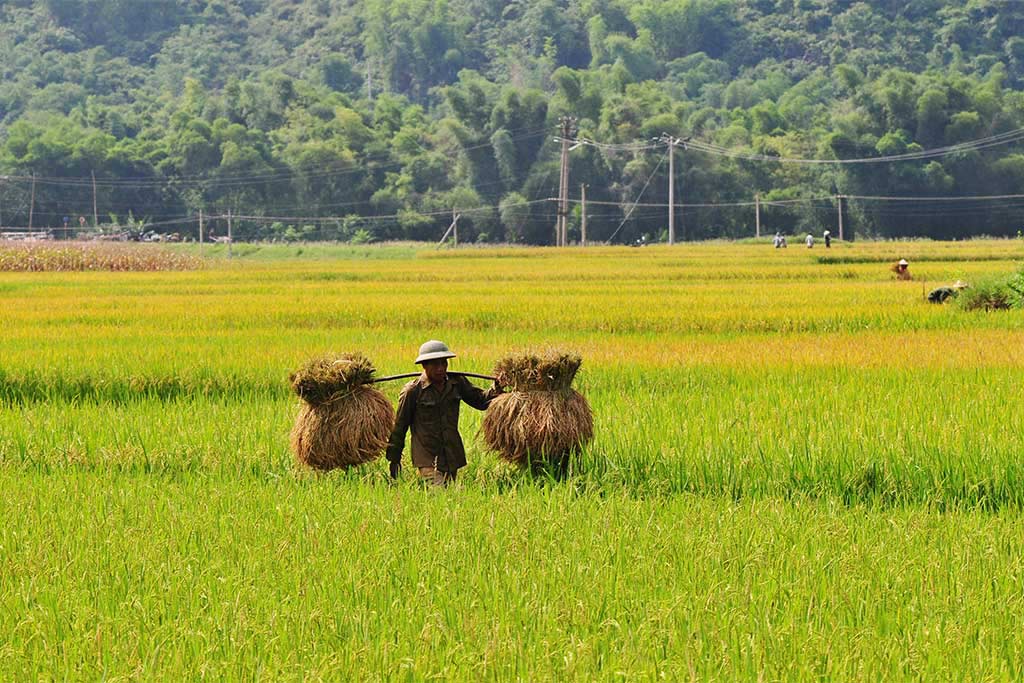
{"x":193,"y":574}
{"x":798,"y":472}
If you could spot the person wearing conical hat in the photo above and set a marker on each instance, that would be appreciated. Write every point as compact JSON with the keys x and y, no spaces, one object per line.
{"x":429,"y":406}
{"x":902,"y":270}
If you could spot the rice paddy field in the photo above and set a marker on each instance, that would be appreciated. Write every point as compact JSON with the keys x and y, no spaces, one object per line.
{"x":801,"y":471}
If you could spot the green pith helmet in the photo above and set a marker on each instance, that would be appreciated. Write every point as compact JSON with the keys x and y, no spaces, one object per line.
{"x":433,"y":350}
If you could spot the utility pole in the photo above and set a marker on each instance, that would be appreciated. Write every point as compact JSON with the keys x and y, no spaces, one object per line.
{"x":200,"y":232}
{"x":757,"y":214}
{"x":671,"y":190}
{"x":568,"y":129}
{"x":451,"y":228}
{"x":672,"y":141}
{"x":32,"y":203}
{"x":95,"y":213}
{"x":455,"y":230}
{"x":229,"y":234}
{"x":562,"y":189}
{"x":583,"y":214}
{"x":839,"y":199}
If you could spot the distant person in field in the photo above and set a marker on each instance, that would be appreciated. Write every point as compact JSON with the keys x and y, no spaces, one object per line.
{"x":828,"y":239}
{"x":429,"y":405}
{"x":777,"y":240}
{"x":810,"y":241}
{"x":902,"y":270}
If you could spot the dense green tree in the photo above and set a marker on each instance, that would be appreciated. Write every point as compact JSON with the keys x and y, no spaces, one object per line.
{"x":393,"y":113}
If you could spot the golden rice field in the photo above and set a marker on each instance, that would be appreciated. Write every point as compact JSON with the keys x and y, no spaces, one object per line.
{"x":801,"y":470}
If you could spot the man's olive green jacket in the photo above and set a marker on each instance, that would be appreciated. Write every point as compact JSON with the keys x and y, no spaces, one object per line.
{"x":433,"y":414}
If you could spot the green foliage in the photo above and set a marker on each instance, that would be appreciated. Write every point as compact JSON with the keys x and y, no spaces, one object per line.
{"x":994,"y":294}
{"x":1015,"y":285}
{"x":986,"y":295}
{"x":311,"y":108}
{"x":362,"y":236}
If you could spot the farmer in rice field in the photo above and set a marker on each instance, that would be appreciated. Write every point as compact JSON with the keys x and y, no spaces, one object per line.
{"x":902,"y":270}
{"x":430,"y":406}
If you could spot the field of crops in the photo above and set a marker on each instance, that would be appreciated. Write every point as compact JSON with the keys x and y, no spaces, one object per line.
{"x":801,"y":470}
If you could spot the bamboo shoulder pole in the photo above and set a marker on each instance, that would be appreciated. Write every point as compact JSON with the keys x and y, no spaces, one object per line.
{"x":410,"y":375}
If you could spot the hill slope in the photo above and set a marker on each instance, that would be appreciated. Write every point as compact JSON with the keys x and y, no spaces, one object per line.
{"x":384,"y":116}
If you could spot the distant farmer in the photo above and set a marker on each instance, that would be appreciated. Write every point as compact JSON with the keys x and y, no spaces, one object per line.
{"x":810,"y":241}
{"x":430,"y":406}
{"x":828,"y":239}
{"x":777,"y":240}
{"x":942,"y":294}
{"x":902,"y":270}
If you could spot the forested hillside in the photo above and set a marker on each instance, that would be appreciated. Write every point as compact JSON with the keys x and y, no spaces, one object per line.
{"x":383,"y":116}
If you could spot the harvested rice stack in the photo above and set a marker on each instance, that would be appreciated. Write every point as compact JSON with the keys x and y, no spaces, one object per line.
{"x":343,"y":421}
{"x":541,"y":418}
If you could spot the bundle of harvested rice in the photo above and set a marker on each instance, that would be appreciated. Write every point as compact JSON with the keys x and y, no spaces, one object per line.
{"x":322,"y":379}
{"x":550,"y":371}
{"x":541,"y":419}
{"x":343,"y":421}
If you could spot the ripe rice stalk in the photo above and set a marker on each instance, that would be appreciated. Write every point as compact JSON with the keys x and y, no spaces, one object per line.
{"x":542,"y":418}
{"x":344,"y":422}
{"x":92,"y":256}
{"x":325,"y":378}
{"x":548,"y":371}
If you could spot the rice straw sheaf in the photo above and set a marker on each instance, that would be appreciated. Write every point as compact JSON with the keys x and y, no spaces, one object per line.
{"x":542,"y":418}
{"x":551,"y":371}
{"x":343,"y":422}
{"x":324,"y":378}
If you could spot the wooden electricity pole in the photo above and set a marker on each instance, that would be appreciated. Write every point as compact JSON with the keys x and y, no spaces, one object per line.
{"x":200,"y":232}
{"x":229,"y":234}
{"x":455,"y":230}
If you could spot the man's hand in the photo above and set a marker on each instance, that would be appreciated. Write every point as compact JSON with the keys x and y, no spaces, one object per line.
{"x":395,"y":468}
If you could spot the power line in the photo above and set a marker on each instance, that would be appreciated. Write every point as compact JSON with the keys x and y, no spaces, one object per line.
{"x":1000,"y":139}
{"x":446,"y":212}
{"x":632,"y":208}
